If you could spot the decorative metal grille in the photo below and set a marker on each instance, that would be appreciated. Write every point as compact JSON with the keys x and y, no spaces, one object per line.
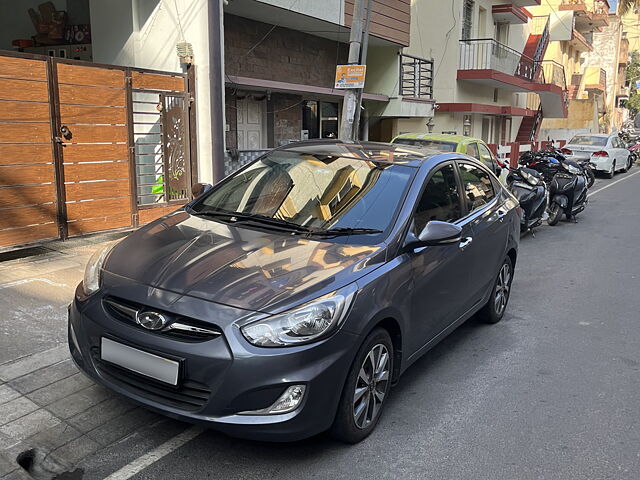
{"x":467,"y":19}
{"x":416,"y":77}
{"x":161,"y":143}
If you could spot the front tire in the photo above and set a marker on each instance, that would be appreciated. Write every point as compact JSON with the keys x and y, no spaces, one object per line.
{"x":591,"y":177}
{"x":494,"y":310}
{"x":365,"y":390}
{"x":555,"y":212}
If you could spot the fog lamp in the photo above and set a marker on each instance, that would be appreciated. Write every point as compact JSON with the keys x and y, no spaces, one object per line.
{"x":287,"y":402}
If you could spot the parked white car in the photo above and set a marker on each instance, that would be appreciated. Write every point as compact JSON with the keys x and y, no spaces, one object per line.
{"x":606,"y":152}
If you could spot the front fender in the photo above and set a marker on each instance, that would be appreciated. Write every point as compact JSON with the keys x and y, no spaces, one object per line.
{"x":561,"y":200}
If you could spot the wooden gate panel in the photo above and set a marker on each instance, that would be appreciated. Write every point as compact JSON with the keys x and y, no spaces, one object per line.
{"x":72,"y":95}
{"x":27,"y":90}
{"x":30,"y":133}
{"x":23,"y":69}
{"x":23,"y":154}
{"x":96,"y":158}
{"x":28,"y":206}
{"x":24,"y":111}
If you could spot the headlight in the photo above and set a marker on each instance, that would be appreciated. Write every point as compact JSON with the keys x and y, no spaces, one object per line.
{"x":304,"y":324}
{"x":572,"y":169}
{"x":91,"y":281}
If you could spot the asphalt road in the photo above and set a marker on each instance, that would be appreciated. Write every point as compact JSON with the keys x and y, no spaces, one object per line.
{"x":551,"y":392}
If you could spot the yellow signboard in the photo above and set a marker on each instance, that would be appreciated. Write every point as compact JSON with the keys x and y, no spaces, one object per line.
{"x":350,"y":76}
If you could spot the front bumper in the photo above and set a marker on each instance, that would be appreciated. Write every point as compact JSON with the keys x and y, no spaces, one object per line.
{"x":219,"y":377}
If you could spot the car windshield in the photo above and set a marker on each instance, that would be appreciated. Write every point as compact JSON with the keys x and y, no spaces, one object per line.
{"x":317,"y":192}
{"x":438,"y":145}
{"x":589,"y":140}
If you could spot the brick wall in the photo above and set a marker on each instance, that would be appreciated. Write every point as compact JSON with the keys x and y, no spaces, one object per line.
{"x":285,"y":55}
{"x":287,"y":117}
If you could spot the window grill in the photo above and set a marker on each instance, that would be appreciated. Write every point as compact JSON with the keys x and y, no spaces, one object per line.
{"x":416,"y":77}
{"x":467,"y":19}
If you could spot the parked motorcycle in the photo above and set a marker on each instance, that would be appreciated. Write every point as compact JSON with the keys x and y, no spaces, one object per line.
{"x":634,"y":149}
{"x":528,"y":186}
{"x":567,"y":193}
{"x":566,"y":182}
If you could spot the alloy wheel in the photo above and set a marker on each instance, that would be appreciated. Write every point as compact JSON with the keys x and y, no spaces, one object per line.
{"x":371,"y":386}
{"x":502,"y":289}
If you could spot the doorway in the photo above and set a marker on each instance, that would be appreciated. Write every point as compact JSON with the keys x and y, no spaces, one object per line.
{"x":251,"y":124}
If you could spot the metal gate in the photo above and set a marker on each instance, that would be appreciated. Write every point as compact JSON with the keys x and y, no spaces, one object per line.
{"x":87,"y":148}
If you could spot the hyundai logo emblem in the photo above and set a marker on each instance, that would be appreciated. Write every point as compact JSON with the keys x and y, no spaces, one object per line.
{"x":151,"y":320}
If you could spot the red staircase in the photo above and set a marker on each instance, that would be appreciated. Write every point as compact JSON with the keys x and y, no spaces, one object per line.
{"x":535,"y":49}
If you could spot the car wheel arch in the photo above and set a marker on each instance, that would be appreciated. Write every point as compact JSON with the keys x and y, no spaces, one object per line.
{"x":513,"y":255}
{"x":392,"y":325}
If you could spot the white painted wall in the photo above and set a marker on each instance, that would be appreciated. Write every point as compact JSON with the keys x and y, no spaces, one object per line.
{"x":16,"y":22}
{"x":144,"y":33}
{"x":329,"y":10}
{"x":436,"y":30}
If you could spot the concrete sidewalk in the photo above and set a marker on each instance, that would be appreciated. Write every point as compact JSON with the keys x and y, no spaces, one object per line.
{"x":45,"y":403}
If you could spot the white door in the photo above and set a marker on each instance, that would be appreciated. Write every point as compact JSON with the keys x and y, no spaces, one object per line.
{"x":251,"y":124}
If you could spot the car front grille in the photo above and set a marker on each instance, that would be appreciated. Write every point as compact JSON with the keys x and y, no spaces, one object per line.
{"x":179,"y":327}
{"x":189,"y":395}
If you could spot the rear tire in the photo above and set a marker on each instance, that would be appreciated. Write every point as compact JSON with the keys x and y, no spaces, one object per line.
{"x":555,"y":212}
{"x":627,"y":165}
{"x":494,"y":310}
{"x":611,"y":173}
{"x":366,"y":389}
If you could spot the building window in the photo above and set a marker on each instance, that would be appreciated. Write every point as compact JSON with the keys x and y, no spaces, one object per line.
{"x":416,"y":75}
{"x":320,"y":120}
{"x":467,"y":19}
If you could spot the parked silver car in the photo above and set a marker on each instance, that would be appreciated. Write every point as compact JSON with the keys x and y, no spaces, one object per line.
{"x":606,"y":153}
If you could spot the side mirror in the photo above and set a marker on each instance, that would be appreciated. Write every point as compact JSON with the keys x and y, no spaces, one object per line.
{"x":437,"y":233}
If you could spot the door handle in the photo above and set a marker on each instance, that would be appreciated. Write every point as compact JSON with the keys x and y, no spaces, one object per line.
{"x":465,"y":243}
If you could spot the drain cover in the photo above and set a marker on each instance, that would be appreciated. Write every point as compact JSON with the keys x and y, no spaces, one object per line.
{"x":38,"y":463}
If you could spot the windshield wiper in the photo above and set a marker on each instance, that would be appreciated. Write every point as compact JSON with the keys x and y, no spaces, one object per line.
{"x":238,"y":216}
{"x":346,"y":231}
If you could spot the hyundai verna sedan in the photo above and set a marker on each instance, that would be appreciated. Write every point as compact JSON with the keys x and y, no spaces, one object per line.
{"x":288,"y":299}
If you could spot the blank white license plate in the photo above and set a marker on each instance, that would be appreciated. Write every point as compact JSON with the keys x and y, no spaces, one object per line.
{"x":144,"y":363}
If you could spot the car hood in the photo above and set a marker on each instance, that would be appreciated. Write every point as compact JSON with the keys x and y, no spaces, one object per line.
{"x":244,"y":268}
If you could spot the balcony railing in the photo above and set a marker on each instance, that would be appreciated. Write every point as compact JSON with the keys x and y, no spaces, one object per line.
{"x":489,"y":54}
{"x":554,"y":73}
{"x":416,"y":77}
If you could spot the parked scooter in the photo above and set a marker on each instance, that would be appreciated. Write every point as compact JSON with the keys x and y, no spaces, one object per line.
{"x":528,"y":186}
{"x":567,"y":193}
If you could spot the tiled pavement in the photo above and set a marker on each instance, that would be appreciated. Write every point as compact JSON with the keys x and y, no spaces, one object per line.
{"x":44,"y":401}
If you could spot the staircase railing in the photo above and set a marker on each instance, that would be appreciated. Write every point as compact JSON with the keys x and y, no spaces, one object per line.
{"x":537,"y":121}
{"x":543,"y":43}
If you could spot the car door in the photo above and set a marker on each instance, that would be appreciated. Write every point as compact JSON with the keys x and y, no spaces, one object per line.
{"x":621,"y":153}
{"x":486,"y":215}
{"x":440,"y":274}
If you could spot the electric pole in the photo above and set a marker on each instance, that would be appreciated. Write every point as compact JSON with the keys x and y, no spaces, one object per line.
{"x":363,"y":60}
{"x":350,"y":102}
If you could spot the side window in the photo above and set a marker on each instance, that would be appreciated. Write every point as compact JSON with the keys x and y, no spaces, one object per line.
{"x":472,"y":150}
{"x":486,"y":157}
{"x":440,"y":199}
{"x":477,"y":186}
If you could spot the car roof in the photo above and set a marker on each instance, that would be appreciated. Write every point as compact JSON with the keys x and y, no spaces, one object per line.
{"x":441,"y":137}
{"x":369,"y":151}
{"x":601,"y":135}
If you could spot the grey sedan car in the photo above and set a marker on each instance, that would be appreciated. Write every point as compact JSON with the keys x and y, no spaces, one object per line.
{"x":288,"y":298}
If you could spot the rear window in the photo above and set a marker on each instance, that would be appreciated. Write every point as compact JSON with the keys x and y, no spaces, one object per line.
{"x":589,"y":140}
{"x":432,"y":144}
